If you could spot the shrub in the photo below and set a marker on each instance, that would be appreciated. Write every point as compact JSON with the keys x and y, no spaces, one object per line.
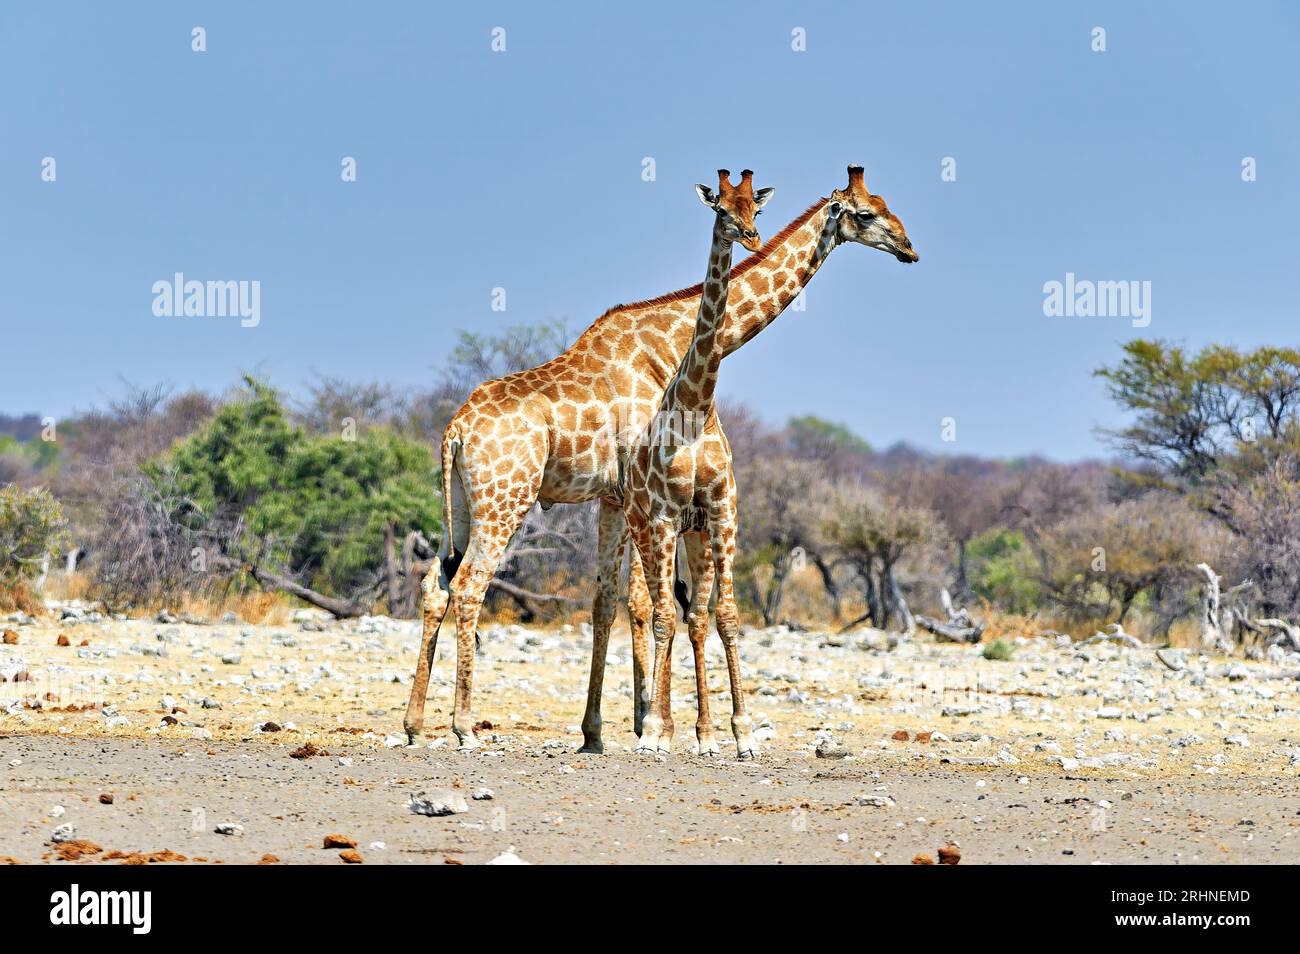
{"x":32,"y":528}
{"x":998,"y":651}
{"x":1004,"y":571}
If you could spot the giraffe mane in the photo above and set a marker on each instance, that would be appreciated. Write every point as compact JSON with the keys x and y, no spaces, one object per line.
{"x":736,"y":270}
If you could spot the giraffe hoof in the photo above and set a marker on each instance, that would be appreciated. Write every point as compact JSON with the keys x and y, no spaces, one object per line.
{"x":414,"y":738}
{"x":708,"y":748}
{"x":593,"y":748}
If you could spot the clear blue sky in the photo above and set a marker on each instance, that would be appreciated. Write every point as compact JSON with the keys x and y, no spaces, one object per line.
{"x":523,"y":170}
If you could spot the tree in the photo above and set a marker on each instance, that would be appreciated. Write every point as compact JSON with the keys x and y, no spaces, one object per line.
{"x":1004,"y":571}
{"x":332,"y":401}
{"x":875,"y":534}
{"x":1180,"y":404}
{"x":832,"y":446}
{"x":966,"y":492}
{"x":781,"y":513}
{"x":1097,"y":563}
{"x":251,"y":490}
{"x":1263,"y":510}
{"x":1192,"y":410}
{"x":32,"y":531}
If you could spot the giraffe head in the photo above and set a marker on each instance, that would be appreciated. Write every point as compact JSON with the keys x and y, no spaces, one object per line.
{"x":864,"y":218}
{"x":737,"y":206}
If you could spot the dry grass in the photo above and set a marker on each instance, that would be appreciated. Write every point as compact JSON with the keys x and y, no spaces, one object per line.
{"x":19,"y":598}
{"x":805,"y":602}
{"x":257,"y":606}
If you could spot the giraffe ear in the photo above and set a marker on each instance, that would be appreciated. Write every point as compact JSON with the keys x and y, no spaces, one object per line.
{"x":706,"y":195}
{"x":761,"y":197}
{"x":835,"y":209}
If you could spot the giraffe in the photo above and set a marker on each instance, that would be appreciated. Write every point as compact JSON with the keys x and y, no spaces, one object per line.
{"x":544,"y":435}
{"x":680,"y":480}
{"x":765,"y":288}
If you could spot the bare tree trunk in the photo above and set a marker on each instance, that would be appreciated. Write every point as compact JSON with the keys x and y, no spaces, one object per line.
{"x":1211,"y":626}
{"x":390,"y":568}
{"x":410,"y":581}
{"x":776,"y":591}
{"x":960,"y":628}
{"x":339,"y":607}
{"x":873,"y":599}
{"x":1288,"y":631}
{"x":905,"y":614}
{"x":1117,"y":635}
{"x":828,"y":581}
{"x":1223,"y":614}
{"x":962,"y":586}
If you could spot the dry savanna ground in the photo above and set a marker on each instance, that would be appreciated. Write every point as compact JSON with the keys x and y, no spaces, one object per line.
{"x":147,"y":741}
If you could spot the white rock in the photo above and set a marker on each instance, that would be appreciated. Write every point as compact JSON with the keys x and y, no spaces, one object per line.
{"x":876,"y":801}
{"x":438,"y":804}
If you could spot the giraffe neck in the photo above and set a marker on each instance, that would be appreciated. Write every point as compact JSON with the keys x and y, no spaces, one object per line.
{"x":767,"y":289}
{"x":696,"y":382}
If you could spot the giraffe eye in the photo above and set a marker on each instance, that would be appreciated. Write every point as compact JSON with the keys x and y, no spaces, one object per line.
{"x":866,"y":216}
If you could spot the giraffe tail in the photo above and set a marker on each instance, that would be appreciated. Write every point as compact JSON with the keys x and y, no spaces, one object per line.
{"x":681,"y":590}
{"x":451,"y":443}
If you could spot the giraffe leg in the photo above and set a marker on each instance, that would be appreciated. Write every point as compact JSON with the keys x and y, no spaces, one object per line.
{"x":489,"y":537}
{"x":611,"y":534}
{"x":639,"y":610}
{"x":435,"y":597}
{"x":697,"y":625}
{"x":435,"y":592}
{"x":722,"y":534}
{"x":658,"y":549}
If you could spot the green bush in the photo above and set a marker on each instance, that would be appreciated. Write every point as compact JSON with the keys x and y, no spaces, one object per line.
{"x":998,"y":651}
{"x":316,"y":505}
{"x":32,"y":527}
{"x":1002,"y":569}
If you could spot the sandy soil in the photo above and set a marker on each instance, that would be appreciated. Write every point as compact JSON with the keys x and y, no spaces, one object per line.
{"x":1065,"y":754}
